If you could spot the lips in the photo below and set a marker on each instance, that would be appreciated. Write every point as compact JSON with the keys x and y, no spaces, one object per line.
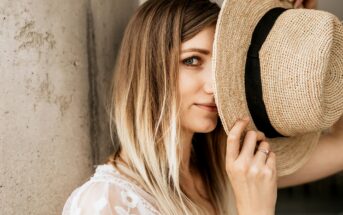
{"x":209,"y":107}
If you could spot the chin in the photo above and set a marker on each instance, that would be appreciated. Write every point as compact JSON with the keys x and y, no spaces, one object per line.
{"x":205,"y":128}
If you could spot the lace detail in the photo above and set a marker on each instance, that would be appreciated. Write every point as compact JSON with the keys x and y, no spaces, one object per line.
{"x":109,"y":193}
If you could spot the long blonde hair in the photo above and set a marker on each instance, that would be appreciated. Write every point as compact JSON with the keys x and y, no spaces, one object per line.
{"x":144,"y":106}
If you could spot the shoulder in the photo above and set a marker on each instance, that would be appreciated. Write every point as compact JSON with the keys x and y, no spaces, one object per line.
{"x":107,"y":193}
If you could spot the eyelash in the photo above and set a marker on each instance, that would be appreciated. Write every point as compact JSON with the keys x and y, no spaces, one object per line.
{"x":190,"y":58}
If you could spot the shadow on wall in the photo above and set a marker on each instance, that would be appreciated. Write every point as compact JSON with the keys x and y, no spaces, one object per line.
{"x":107,"y":21}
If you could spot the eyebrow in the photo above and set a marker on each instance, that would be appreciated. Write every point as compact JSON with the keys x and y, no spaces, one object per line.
{"x":203,"y":51}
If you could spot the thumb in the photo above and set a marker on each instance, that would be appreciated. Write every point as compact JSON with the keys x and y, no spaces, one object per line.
{"x":310,"y":4}
{"x":298,"y":3}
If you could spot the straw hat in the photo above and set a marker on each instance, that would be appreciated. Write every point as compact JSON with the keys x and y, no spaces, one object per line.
{"x":290,"y":82}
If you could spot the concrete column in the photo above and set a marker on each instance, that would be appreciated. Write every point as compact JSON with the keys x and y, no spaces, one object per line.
{"x":56,"y":61}
{"x":44,"y":105}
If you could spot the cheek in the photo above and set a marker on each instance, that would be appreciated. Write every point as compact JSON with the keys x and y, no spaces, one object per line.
{"x":193,"y":118}
{"x":188,"y":85}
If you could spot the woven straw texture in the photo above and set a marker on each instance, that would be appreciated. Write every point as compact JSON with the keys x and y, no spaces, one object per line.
{"x":301,"y":71}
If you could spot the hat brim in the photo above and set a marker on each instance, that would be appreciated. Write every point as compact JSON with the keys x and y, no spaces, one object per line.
{"x":236,"y":22}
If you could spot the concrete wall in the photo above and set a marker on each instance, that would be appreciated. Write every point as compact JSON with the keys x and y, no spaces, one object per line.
{"x":56,"y":59}
{"x":44,"y":108}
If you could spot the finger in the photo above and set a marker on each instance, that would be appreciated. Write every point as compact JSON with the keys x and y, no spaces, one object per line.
{"x":271,"y":161}
{"x":249,"y":144}
{"x":233,"y":139}
{"x":298,"y":3}
{"x":260,"y":157}
{"x":310,"y":4}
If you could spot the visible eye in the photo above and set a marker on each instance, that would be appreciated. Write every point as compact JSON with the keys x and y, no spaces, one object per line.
{"x":192,"y":61}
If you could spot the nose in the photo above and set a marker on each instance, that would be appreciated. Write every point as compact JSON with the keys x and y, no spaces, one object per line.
{"x":209,"y":82}
{"x":209,"y":86}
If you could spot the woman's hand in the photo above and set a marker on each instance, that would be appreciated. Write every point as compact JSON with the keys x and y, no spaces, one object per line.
{"x":309,"y":4}
{"x":252,"y":174}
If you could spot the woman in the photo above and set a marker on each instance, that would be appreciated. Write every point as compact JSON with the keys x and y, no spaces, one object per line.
{"x":172,"y":156}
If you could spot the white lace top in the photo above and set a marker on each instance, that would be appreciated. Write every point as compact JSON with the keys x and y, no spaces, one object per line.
{"x":108,"y":192}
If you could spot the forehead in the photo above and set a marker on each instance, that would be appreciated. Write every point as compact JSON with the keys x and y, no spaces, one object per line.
{"x":202,"y":40}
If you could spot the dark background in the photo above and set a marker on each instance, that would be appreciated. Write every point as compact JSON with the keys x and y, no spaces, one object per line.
{"x":322,"y":197}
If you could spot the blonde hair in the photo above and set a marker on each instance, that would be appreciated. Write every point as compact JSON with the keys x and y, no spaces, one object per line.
{"x":144,"y":106}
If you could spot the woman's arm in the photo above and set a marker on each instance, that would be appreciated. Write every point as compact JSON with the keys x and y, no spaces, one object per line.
{"x":326,"y":160}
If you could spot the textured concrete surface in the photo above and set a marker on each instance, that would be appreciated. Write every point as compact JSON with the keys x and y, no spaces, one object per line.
{"x":56,"y":61}
{"x":44,"y":109}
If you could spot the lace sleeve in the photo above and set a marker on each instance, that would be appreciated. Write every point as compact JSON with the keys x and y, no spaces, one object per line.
{"x":104,"y":198}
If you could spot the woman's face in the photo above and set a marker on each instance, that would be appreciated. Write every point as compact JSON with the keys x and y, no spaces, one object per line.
{"x":198,"y":110}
